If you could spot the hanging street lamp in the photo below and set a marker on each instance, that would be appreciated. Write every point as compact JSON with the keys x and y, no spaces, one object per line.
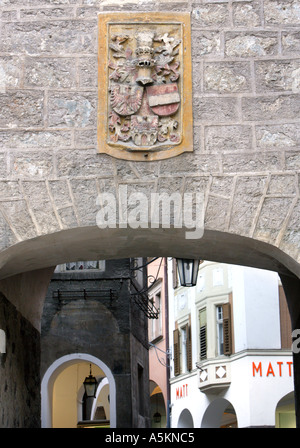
{"x":90,"y":385}
{"x":188,"y":271}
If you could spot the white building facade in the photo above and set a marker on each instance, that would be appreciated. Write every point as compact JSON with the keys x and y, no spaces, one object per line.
{"x":230,"y":338}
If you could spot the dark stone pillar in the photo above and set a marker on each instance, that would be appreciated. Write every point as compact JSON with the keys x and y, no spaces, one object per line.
{"x":291,"y":286}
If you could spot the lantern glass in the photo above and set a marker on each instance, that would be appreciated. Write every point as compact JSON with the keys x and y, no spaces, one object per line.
{"x":90,"y":385}
{"x":188,"y":271}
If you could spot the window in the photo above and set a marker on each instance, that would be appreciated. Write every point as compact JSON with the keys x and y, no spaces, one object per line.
{"x":155,"y":328}
{"x":182,"y":347}
{"x":220,"y":335}
{"x":223,"y":321}
{"x":202,"y":335}
{"x":81,"y":265}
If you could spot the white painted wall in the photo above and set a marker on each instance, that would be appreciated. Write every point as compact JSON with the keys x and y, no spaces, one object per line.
{"x":255,"y":308}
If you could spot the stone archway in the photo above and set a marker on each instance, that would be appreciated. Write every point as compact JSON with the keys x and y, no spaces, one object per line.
{"x":56,"y":368}
{"x":245,"y":159}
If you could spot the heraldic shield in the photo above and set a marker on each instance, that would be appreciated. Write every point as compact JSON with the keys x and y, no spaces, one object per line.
{"x":142,"y":81}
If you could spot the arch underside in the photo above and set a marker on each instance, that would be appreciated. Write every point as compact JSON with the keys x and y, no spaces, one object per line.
{"x":91,"y":243}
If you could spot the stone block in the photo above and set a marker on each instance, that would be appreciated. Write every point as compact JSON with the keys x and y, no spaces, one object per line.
{"x":227,"y":77}
{"x":59,"y":190}
{"x":44,"y":216}
{"x":213,"y":15}
{"x":10,"y":72}
{"x":67,"y":217}
{"x":35,"y":139}
{"x":32,"y":165}
{"x":212,"y":109}
{"x":292,"y":160}
{"x":222,"y":185}
{"x":82,"y":163}
{"x":255,"y":162}
{"x":3,"y":165}
{"x":261,"y":108}
{"x":50,"y":37}
{"x":290,"y":43}
{"x":21,"y":221}
{"x":50,"y":72}
{"x":85,"y":195}
{"x":272,"y":216}
{"x":249,"y":45}
{"x":216,"y":213}
{"x":246,"y":14}
{"x":283,"y":184}
{"x":206,"y":43}
{"x":277,"y":136}
{"x":230,"y":138}
{"x":88,"y":72}
{"x":273,"y":76}
{"x":72,"y":109}
{"x":282,"y":12}
{"x":85,"y":138}
{"x":21,"y":108}
{"x":57,"y":12}
{"x":243,"y":214}
{"x":9,"y":190}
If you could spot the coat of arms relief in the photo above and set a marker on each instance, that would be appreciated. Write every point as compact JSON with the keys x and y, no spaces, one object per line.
{"x":143,"y":92}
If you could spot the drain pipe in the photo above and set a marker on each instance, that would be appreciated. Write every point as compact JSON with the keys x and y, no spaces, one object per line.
{"x":166,"y":292}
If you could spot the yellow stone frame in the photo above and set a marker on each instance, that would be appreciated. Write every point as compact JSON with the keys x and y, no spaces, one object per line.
{"x":143,"y":153}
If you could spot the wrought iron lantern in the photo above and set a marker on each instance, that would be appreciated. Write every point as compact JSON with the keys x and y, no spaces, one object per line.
{"x":188,"y":271}
{"x":90,"y":385}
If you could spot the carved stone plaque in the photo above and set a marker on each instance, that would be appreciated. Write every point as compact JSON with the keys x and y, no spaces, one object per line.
{"x":145,"y":87}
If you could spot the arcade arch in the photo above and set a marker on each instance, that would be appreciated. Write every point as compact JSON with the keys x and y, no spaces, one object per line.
{"x":185,"y":420}
{"x":220,"y":413}
{"x":52,"y":374}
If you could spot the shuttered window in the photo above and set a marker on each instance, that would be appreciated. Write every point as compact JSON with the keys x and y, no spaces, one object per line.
{"x":182,"y":346}
{"x":203,"y":334}
{"x":189,"y":347}
{"x":227,"y":335}
{"x":176,"y":348}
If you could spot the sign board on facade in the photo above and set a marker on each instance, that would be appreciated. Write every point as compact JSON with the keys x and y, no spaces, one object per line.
{"x":145,"y":87}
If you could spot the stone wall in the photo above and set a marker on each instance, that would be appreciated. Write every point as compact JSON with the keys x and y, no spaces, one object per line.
{"x":20,"y":399}
{"x":246,"y":81}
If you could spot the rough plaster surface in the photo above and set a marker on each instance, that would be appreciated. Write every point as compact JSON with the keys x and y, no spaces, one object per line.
{"x":246,"y":102}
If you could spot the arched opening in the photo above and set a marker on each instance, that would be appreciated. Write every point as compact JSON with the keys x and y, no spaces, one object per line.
{"x":62,"y":393}
{"x":285,"y":412}
{"x":219,"y":414}
{"x":158,"y":408}
{"x":93,"y":243}
{"x":185,"y":420}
